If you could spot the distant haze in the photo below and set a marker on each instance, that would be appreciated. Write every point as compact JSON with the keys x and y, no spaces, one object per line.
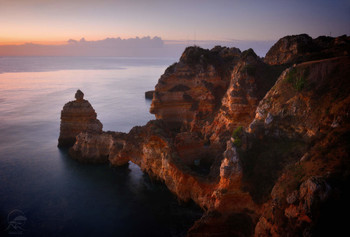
{"x":132,"y":47}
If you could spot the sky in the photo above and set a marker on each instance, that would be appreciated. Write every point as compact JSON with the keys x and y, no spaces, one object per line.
{"x":56,"y":21}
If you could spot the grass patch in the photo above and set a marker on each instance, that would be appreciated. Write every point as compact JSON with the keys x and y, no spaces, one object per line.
{"x":297,"y":78}
{"x":237,"y":135}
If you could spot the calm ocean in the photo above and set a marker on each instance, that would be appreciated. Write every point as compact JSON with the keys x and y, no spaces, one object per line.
{"x":52,"y":195}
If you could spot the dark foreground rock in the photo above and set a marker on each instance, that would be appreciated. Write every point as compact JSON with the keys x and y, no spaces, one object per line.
{"x":149,"y":95}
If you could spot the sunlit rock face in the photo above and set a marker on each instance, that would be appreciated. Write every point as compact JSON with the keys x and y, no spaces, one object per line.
{"x":299,"y":131}
{"x":77,"y":116}
{"x":284,"y":173}
{"x":250,"y":79}
{"x":212,"y":92}
{"x":94,"y":147}
{"x":192,"y":89}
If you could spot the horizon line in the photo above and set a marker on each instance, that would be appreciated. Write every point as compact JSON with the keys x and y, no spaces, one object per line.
{"x":166,"y":41}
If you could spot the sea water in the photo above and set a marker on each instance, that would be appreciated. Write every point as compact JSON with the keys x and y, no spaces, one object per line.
{"x":45,"y":193}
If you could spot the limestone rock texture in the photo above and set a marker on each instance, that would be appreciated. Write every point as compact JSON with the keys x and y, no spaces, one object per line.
{"x":77,"y":116}
{"x":308,"y":132}
{"x":250,"y":79}
{"x":192,"y":89}
{"x":262,"y":145}
{"x":98,"y":147}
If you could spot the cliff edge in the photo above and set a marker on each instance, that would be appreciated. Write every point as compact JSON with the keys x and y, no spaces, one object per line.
{"x":262,"y":145}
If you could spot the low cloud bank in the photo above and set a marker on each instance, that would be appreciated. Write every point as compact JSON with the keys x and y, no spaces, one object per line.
{"x":132,"y":47}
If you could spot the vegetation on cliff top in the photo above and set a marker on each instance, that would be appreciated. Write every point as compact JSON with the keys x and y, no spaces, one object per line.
{"x":297,"y":78}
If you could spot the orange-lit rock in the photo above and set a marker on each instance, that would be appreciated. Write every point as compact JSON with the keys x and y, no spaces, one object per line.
{"x":250,"y":80}
{"x":77,"y":116}
{"x":101,"y":147}
{"x":285,"y":174}
{"x":192,"y":89}
{"x":303,"y":199}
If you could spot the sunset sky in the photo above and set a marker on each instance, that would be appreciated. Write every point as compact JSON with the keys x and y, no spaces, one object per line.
{"x":55,"y":21}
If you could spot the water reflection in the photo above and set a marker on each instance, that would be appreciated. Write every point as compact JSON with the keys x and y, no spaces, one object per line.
{"x":60,"y":196}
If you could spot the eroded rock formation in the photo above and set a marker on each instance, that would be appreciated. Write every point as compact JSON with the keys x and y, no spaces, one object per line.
{"x":251,"y":78}
{"x":261,"y":146}
{"x":77,"y":116}
{"x":192,"y":89}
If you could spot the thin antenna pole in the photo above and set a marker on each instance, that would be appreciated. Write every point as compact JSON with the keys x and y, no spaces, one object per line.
{"x":194,"y":37}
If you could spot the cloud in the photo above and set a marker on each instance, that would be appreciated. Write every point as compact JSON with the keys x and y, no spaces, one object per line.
{"x":132,"y":47}
{"x":145,"y":46}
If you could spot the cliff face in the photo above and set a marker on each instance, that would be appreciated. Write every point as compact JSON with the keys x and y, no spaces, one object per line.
{"x":211,"y":92}
{"x":77,"y":116}
{"x":250,"y":80}
{"x":293,"y":159}
{"x":262,"y":146}
{"x":192,"y":89}
{"x":309,"y":109}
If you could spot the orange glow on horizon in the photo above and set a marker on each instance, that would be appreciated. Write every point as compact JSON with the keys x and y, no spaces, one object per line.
{"x":60,"y":41}
{"x":21,"y":42}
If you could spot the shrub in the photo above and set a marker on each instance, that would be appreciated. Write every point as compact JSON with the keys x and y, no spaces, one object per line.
{"x":299,"y":83}
{"x":237,"y":134}
{"x":291,"y":75}
{"x":297,"y":78}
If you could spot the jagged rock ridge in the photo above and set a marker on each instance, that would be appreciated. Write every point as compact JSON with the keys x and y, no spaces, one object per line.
{"x":266,"y":153}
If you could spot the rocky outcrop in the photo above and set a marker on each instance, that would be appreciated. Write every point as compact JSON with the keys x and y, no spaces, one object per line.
{"x":151,"y":148}
{"x":149,"y":95}
{"x":212,"y":92}
{"x":92,"y":147}
{"x":192,"y":89}
{"x":301,"y":48}
{"x":299,"y":102}
{"x":250,"y":80}
{"x":261,"y":146}
{"x":77,"y":116}
{"x":304,"y":148}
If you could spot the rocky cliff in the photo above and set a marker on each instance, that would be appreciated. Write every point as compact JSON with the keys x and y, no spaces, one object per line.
{"x":304,"y":122}
{"x":261,"y":145}
{"x":191,"y":90}
{"x":250,"y":79}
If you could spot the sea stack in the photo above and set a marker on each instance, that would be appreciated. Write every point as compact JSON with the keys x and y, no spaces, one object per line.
{"x":149,"y":95}
{"x":77,"y":116}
